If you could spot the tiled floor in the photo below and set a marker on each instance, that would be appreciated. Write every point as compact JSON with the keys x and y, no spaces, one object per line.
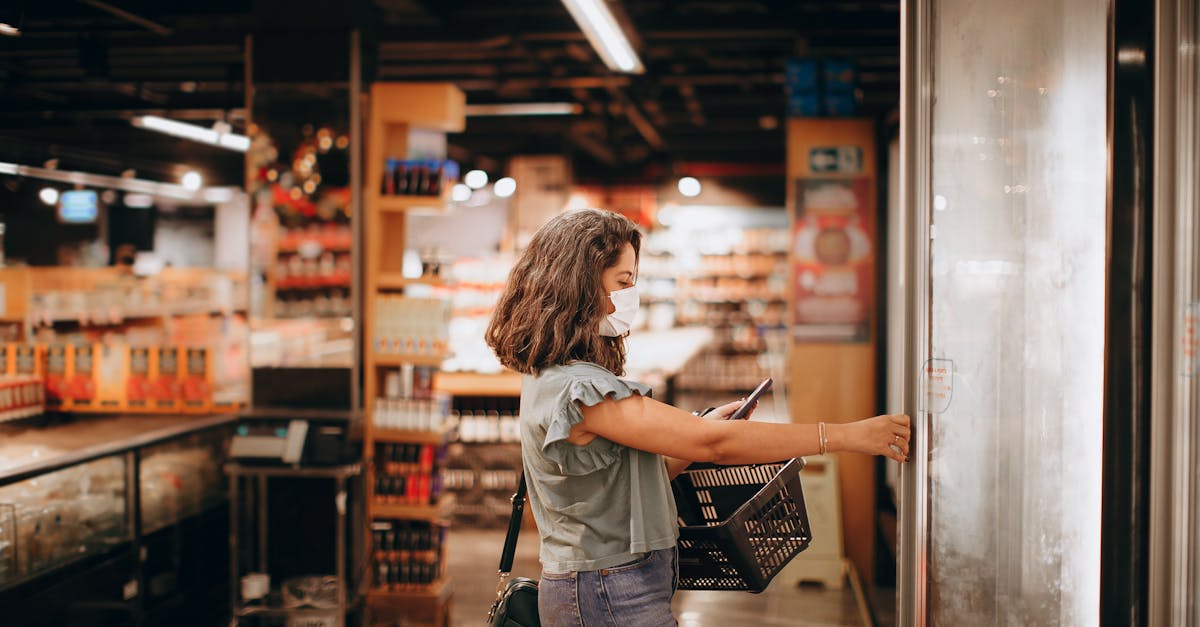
{"x":474,"y":554}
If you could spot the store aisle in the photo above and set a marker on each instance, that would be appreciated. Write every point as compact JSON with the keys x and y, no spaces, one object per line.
{"x":472,"y":556}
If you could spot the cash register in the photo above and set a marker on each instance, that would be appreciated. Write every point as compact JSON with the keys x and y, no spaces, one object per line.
{"x":295,"y":438}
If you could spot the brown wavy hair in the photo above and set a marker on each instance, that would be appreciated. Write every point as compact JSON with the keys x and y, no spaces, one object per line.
{"x":551,"y":308}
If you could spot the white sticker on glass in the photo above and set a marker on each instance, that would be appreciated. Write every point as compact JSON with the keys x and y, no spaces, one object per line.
{"x":937,"y":385}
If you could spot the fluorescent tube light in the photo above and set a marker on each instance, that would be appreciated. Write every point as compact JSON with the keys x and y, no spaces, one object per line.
{"x":524,"y":108}
{"x":133,"y":185}
{"x":9,"y":30}
{"x":231,"y":141}
{"x":605,"y":35}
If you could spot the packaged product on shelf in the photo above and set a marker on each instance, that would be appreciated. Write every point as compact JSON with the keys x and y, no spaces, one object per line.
{"x":196,"y":386}
{"x":411,"y":325}
{"x":26,"y":359}
{"x":408,"y":554}
{"x":81,"y":385}
{"x":422,"y":382}
{"x":110,"y":376}
{"x":138,"y":386}
{"x":165,"y":389}
{"x":58,"y":371}
{"x":21,"y":396}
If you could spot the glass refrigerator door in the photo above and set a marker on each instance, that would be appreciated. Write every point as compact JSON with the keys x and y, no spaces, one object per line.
{"x":1006,"y":180}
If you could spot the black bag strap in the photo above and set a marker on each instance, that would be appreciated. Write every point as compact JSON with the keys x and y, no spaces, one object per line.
{"x":514,"y":529}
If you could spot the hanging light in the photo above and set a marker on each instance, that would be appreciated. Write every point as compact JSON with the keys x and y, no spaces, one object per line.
{"x":48,"y":195}
{"x":192,"y":180}
{"x":476,"y":179}
{"x":689,"y":186}
{"x":505,"y":187}
{"x":460,"y":193}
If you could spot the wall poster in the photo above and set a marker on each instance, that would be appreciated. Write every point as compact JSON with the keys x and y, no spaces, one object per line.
{"x":833,"y":249}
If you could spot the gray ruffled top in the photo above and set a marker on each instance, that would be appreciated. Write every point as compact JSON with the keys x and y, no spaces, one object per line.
{"x":598,"y":505}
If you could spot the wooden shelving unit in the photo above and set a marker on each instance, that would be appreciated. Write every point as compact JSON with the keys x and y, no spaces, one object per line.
{"x":396,"y":109}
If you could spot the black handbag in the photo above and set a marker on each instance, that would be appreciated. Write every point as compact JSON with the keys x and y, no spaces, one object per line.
{"x":516,"y":602}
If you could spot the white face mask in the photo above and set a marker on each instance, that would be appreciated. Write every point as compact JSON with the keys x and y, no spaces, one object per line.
{"x":618,"y":322}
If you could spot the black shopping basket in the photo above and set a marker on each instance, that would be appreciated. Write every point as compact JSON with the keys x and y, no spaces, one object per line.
{"x":739,"y":525}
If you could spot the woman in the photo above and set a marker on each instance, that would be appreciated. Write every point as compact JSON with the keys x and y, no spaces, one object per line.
{"x":598,"y":452}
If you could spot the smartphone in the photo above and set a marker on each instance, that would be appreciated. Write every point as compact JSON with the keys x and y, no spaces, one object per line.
{"x":741,"y":412}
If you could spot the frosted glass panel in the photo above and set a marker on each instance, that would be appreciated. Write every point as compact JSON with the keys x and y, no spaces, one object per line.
{"x":1017,"y":311}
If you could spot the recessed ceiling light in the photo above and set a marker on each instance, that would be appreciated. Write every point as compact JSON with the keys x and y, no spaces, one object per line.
{"x":505,"y":187}
{"x":689,"y":186}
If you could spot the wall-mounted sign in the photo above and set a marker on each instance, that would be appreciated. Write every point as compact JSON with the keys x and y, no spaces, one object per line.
{"x":78,"y":206}
{"x":840,"y":159}
{"x":833,"y":252}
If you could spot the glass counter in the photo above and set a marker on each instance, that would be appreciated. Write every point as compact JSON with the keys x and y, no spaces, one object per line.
{"x":65,"y":489}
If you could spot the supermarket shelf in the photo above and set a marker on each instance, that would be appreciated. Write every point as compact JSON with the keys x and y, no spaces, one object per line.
{"x":291,"y":249}
{"x":733,"y":301}
{"x":294,"y":413}
{"x":332,"y":472}
{"x":307,"y":283}
{"x":405,"y":203}
{"x":400,"y":359}
{"x":507,"y":383}
{"x":438,"y":591}
{"x":432,"y":513}
{"x":406,"y":436}
{"x":124,"y":317}
{"x":293,"y":612}
{"x":397,"y":281}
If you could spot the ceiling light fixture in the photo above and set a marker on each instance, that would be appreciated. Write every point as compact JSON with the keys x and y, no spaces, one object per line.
{"x":475,"y":179}
{"x":689,"y":186}
{"x":604,"y":33}
{"x":505,"y":187}
{"x":9,"y":30}
{"x":192,"y":180}
{"x":231,"y":141}
{"x":208,"y":195}
{"x":460,"y":193}
{"x":48,"y":195}
{"x":524,"y":108}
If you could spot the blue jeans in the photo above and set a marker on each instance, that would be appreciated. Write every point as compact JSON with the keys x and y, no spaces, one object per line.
{"x":637,"y":594}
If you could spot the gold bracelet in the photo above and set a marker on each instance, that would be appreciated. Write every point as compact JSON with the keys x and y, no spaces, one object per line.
{"x":824,"y":439}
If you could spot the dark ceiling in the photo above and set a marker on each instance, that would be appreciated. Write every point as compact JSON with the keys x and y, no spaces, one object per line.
{"x":713,"y":90}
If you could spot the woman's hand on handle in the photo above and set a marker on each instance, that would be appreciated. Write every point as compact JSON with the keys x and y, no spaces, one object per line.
{"x":882,"y":435}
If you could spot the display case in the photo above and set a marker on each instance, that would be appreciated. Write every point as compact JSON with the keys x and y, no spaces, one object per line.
{"x":81,"y":501}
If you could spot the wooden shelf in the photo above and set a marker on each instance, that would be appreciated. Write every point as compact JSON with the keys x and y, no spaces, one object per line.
{"x":312,"y":282}
{"x":400,"y":359}
{"x":397,"y":281}
{"x":437,"y":591}
{"x":406,"y":436}
{"x":507,"y":383}
{"x":408,"y":203}
{"x":430,"y":513}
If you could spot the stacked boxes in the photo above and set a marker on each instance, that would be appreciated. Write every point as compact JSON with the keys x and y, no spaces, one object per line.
{"x":111,"y":378}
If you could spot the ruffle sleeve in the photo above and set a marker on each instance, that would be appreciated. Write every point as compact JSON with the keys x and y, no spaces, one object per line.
{"x":600,"y":453}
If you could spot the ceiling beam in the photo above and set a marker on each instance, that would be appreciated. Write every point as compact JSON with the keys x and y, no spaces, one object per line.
{"x":132,"y":18}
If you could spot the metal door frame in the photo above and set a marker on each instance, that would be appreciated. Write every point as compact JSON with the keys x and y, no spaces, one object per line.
{"x":916,"y":198}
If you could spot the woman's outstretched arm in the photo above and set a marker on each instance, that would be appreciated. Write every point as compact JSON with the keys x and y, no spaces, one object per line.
{"x":649,"y":425}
